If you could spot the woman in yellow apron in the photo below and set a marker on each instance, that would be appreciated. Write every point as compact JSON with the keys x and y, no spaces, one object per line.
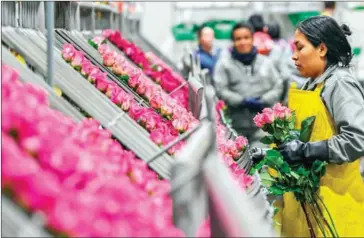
{"x":336,"y":98}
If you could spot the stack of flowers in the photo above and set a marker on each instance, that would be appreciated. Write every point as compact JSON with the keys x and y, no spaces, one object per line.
{"x":84,"y":182}
{"x":165,"y":126}
{"x":164,"y":76}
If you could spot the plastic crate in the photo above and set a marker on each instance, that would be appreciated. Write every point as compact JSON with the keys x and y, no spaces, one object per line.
{"x":184,"y":32}
{"x":223,"y":29}
{"x":297,"y":17}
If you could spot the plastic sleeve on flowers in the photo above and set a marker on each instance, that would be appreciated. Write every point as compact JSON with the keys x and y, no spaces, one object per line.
{"x":221,"y":79}
{"x":345,"y":101}
{"x":273,"y":95}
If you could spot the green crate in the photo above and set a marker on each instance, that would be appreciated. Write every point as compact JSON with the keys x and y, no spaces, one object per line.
{"x":297,"y":17}
{"x":223,"y":29}
{"x":184,"y":32}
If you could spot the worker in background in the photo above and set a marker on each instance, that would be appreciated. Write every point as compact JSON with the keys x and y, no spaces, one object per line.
{"x":247,"y":82}
{"x":329,"y":8}
{"x":207,"y":51}
{"x":334,"y":96}
{"x":279,"y":44}
{"x":262,"y":40}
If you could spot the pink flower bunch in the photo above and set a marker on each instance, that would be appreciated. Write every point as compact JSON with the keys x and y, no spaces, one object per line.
{"x":83,"y":181}
{"x":167,"y":106}
{"x":147,"y":118}
{"x":269,"y":115}
{"x":164,"y":76}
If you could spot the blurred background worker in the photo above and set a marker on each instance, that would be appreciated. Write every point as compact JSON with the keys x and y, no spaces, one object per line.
{"x":207,"y":51}
{"x":247,"y":82}
{"x":262,"y":40}
{"x":329,"y":8}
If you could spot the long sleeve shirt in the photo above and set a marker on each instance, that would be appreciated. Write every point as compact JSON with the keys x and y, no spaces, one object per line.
{"x":235,"y":81}
{"x":344,"y":99}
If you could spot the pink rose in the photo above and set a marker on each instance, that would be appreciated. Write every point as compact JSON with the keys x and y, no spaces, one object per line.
{"x":77,"y":60}
{"x":68,"y":52}
{"x":86,"y":67}
{"x":107,"y":33}
{"x":98,"y":40}
{"x":268,"y":116}
{"x":136,"y":111}
{"x":181,"y":124}
{"x":94,"y":71}
{"x":141,"y":88}
{"x":125,"y":105}
{"x":102,"y":82}
{"x":108,"y":59}
{"x":241,"y":142}
{"x":103,"y":49}
{"x":258,"y":120}
{"x":166,"y":110}
{"x":193,"y":123}
{"x":112,"y":89}
{"x":157,"y":137}
{"x":118,"y":69}
{"x":281,"y":111}
{"x":118,"y":98}
{"x":156,"y":101}
{"x":134,"y":81}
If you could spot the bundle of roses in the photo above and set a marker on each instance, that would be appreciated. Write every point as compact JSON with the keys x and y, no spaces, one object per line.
{"x":168,"y":79}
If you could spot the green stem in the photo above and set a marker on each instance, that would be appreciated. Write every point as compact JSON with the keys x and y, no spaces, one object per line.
{"x":334,"y":232}
{"x":313,"y":202}
{"x":310,"y":227}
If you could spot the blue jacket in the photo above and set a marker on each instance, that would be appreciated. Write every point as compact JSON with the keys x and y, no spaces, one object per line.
{"x":208,"y":60}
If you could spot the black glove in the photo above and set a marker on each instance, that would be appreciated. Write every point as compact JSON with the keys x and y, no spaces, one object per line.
{"x":257,"y":154}
{"x":254,"y":104}
{"x":298,"y":151}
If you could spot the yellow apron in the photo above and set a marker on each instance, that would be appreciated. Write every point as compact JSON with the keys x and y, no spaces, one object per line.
{"x":341,"y":189}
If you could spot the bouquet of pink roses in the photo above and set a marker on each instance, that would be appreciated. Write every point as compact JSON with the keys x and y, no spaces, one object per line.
{"x":301,"y":179}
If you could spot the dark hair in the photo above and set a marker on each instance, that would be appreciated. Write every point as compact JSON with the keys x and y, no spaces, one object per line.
{"x":240,"y":25}
{"x":324,"y":29}
{"x":274,"y":30}
{"x":330,"y":4}
{"x":257,"y":21}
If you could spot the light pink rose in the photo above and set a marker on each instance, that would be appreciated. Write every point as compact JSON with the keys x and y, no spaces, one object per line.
{"x":108,"y":59}
{"x":68,"y":52}
{"x":258,"y":120}
{"x":118,"y":69}
{"x":86,"y":67}
{"x":281,"y":111}
{"x":98,"y":40}
{"x":107,"y":33}
{"x":156,"y":101}
{"x":157,"y":137}
{"x":103,"y":49}
{"x":125,"y":105}
{"x":112,"y":89}
{"x":134,"y":81}
{"x":77,"y":60}
{"x":268,"y":116}
{"x":141,"y":88}
{"x":241,"y":142}
{"x":166,"y":110}
{"x":181,"y":124}
{"x":94,"y":71}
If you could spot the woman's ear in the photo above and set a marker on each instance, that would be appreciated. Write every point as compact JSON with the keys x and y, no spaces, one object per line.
{"x":322,"y":50}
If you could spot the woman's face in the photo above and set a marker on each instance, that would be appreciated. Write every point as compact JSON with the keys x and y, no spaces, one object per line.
{"x":243,"y":40}
{"x":310,"y":61}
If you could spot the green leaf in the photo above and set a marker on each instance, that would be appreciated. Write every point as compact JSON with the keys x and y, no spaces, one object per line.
{"x":302,"y":171}
{"x":93,"y":44}
{"x":266,"y":179}
{"x":274,"y":159}
{"x":124,"y":78}
{"x":279,"y":134}
{"x":279,"y":123}
{"x":295,"y":175}
{"x":276,"y":191}
{"x":285,"y":168}
{"x":267,"y":140}
{"x":294,"y":134}
{"x":306,"y":128}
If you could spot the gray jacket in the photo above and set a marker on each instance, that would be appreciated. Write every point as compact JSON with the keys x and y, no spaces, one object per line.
{"x":234,"y":82}
{"x":344,"y":99}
